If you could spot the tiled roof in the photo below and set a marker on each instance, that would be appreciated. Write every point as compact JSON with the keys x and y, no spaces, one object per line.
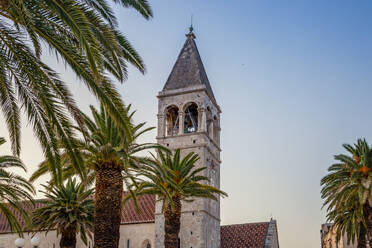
{"x":146,"y":204}
{"x":188,"y":71}
{"x":4,"y":226}
{"x":129,"y":214}
{"x":251,"y":235}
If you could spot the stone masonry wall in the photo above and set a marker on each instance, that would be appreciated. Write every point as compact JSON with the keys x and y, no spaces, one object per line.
{"x":200,"y":221}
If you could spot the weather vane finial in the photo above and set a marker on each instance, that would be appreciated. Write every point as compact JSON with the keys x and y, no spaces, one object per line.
{"x":191,"y":27}
{"x":191,"y":34}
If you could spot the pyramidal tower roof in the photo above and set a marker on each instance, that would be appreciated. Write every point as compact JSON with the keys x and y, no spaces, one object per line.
{"x":188,"y":71}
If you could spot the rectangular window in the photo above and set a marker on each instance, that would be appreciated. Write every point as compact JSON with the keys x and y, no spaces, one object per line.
{"x":128,"y":243}
{"x":179,"y":243}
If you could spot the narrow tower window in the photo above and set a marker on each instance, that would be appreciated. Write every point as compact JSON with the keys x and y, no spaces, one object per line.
{"x":191,"y":118}
{"x":209,"y":123}
{"x":172,"y":124}
{"x":216,"y":131}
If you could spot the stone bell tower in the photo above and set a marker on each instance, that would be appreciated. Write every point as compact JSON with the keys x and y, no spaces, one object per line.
{"x":189,"y":119}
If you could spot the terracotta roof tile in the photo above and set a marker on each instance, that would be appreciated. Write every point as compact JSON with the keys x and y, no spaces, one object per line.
{"x":146,"y":204}
{"x":4,"y":226}
{"x":251,"y":235}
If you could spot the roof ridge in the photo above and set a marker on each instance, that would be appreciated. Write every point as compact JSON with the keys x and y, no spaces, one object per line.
{"x":250,"y":223}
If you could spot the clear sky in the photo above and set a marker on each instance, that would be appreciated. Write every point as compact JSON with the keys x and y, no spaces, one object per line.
{"x":293,"y":79}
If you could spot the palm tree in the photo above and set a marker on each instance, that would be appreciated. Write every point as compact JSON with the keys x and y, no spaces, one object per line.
{"x":173,"y":180}
{"x":68,"y":209}
{"x":348,"y":219}
{"x":111,"y":156}
{"x":347,"y":192}
{"x":84,"y":33}
{"x":13,"y":190}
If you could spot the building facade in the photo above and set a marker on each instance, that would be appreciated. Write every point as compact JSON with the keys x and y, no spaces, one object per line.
{"x":188,"y":119}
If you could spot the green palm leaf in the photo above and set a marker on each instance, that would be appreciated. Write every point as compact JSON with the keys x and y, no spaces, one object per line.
{"x":346,"y":191}
{"x":14,"y":190}
{"x":84,"y":34}
{"x":68,"y":209}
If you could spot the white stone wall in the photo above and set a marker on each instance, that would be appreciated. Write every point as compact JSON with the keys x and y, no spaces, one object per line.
{"x":198,"y":229}
{"x":138,"y":234}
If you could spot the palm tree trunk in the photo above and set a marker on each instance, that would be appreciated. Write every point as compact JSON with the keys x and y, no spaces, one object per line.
{"x":172,"y":224}
{"x":367,"y":212}
{"x":68,"y":239}
{"x":362,"y":242}
{"x":107,"y":207}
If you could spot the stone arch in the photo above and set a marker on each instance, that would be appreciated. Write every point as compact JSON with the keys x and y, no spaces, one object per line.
{"x":146,"y":244}
{"x":187,"y":104}
{"x":191,"y":117}
{"x":168,"y":106}
{"x":171,"y":120}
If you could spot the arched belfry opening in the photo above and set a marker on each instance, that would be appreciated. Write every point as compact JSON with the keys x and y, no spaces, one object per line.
{"x":172,"y":121}
{"x":191,"y":118}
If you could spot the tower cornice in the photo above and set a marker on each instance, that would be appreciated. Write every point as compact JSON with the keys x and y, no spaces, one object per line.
{"x":201,"y":88}
{"x":216,"y":146}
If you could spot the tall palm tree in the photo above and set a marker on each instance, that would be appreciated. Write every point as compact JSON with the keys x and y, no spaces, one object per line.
{"x":13,"y":190}
{"x":111,"y":156}
{"x":347,"y":192}
{"x":68,"y":209}
{"x":173,"y":180}
{"x":84,"y":33}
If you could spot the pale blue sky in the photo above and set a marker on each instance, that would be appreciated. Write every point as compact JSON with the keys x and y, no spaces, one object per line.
{"x":293,"y":79}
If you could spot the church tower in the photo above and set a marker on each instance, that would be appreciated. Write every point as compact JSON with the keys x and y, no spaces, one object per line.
{"x":189,"y":119}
